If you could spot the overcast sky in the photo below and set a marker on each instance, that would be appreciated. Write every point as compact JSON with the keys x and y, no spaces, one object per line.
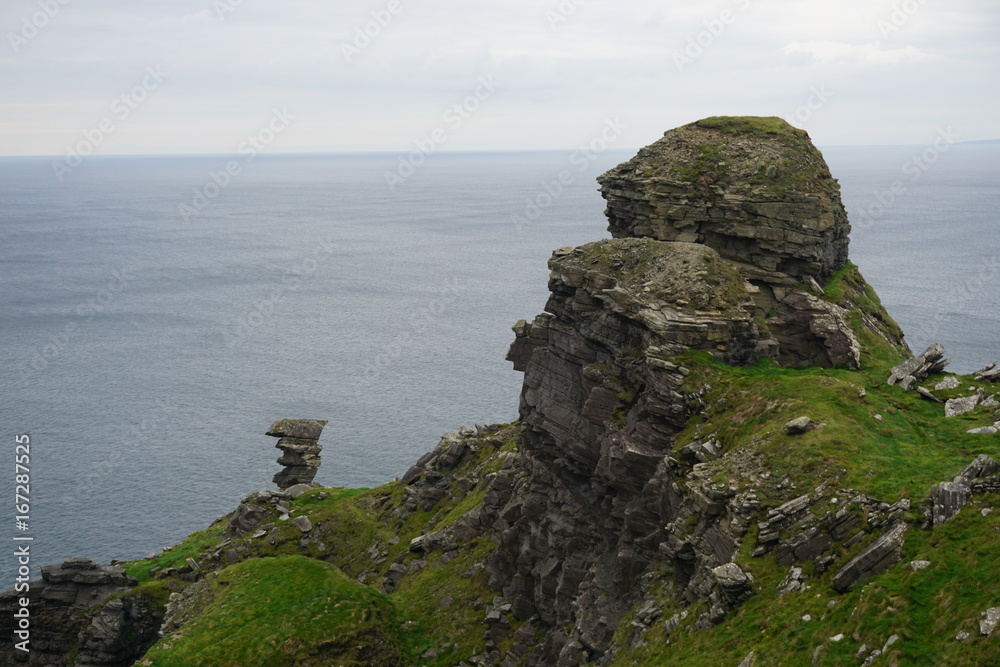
{"x":199,"y":76}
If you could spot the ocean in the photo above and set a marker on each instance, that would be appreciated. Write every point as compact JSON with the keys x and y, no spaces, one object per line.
{"x":158,"y":313}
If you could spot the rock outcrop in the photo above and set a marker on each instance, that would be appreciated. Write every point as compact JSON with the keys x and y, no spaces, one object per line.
{"x":723,"y":233}
{"x":114,"y":636}
{"x":300,"y":448}
{"x":757,"y":191}
{"x":917,"y":369}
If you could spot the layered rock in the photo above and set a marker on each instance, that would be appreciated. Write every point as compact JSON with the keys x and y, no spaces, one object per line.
{"x":299,"y":443}
{"x":757,"y":191}
{"x":917,"y":369}
{"x":724,"y":231}
{"x":602,"y":400}
{"x":116,"y":634}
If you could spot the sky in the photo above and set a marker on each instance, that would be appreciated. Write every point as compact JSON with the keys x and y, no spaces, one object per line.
{"x":206,"y":76}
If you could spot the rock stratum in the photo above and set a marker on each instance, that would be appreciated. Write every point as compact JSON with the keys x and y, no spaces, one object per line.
{"x":718,"y":461}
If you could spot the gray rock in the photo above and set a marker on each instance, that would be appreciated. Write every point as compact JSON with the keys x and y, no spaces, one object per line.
{"x":983,"y":430}
{"x":874,"y":559}
{"x":306,"y":429}
{"x":303,"y":523}
{"x":733,"y":583}
{"x":800,"y":426}
{"x":992,"y":375}
{"x":989,"y":620}
{"x":958,"y":406}
{"x":950,"y":382}
{"x":930,"y":362}
{"x":926,"y":393}
{"x":919,"y":564}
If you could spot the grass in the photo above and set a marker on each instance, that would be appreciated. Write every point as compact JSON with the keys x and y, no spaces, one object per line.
{"x":283,"y":611}
{"x":175,"y":556}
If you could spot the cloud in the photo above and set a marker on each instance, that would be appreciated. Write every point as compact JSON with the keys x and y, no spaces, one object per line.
{"x":827,"y":52}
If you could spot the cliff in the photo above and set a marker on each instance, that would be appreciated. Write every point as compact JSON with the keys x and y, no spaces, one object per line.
{"x":718,"y":461}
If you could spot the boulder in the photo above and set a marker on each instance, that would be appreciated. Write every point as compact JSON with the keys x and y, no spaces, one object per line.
{"x":989,"y":620}
{"x":959,"y":406}
{"x":917,"y":369}
{"x":800,"y":426}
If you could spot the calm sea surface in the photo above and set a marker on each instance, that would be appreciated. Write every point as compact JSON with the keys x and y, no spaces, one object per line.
{"x":146,"y":351}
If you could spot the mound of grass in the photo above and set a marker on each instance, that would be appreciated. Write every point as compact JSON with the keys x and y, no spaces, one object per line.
{"x":290,"y":610}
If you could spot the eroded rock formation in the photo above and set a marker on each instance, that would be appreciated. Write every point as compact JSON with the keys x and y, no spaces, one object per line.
{"x":757,"y":191}
{"x":724,"y":233}
{"x":299,"y":443}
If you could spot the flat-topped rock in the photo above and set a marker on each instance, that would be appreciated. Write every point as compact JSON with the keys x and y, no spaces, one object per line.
{"x":308,"y":429}
{"x":755,"y":189}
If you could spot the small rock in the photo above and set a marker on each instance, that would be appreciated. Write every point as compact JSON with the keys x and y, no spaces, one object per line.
{"x":862,"y":394}
{"x":800,"y":426}
{"x":889,"y":642}
{"x":989,"y":621}
{"x":925,"y":393}
{"x":878,"y":418}
{"x":303,"y":523}
{"x":919,"y":564}
{"x":950,"y":382}
{"x":986,"y":511}
{"x":962,"y":636}
{"x":983,"y":430}
{"x":836,"y":638}
{"x":807,"y":618}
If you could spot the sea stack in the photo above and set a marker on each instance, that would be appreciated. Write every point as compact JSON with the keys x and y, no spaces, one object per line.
{"x":299,"y":443}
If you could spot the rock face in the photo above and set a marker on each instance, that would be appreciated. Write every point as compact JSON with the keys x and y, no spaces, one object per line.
{"x":757,"y":191}
{"x":722,"y":237}
{"x":115,"y":635}
{"x":300,"y":446}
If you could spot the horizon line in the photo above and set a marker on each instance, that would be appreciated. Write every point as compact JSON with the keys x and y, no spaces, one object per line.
{"x":345,"y":153}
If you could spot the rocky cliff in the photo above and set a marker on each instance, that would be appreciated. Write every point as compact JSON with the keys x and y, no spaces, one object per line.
{"x":717,"y":462}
